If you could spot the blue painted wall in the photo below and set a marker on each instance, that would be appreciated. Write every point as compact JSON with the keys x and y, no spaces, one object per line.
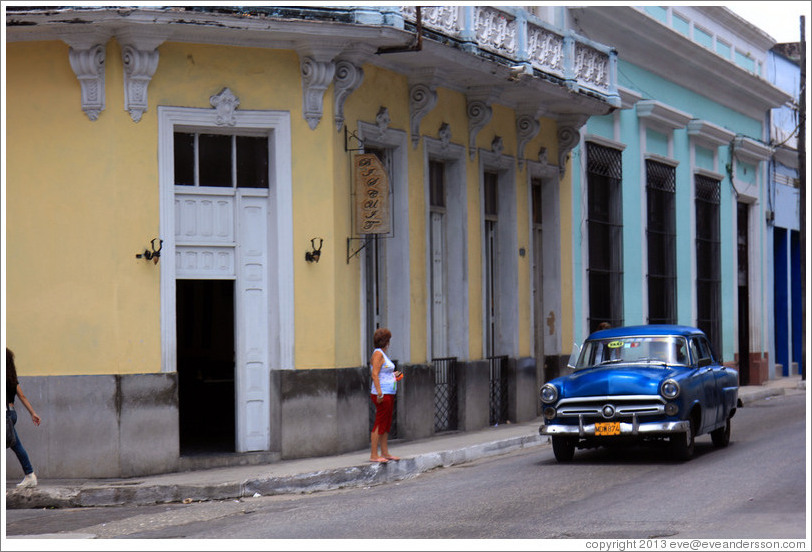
{"x":651,"y":86}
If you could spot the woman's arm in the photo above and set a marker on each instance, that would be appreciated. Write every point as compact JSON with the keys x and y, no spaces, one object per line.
{"x":377,"y":363}
{"x":24,"y":400}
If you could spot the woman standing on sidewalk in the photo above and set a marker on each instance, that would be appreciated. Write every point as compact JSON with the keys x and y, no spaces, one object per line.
{"x":382,"y":394}
{"x":13,"y":390}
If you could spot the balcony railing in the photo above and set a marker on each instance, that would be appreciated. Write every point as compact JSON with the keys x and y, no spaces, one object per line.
{"x":522,"y":38}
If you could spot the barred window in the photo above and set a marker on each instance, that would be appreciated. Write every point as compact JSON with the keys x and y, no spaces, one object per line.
{"x":708,"y":259}
{"x":661,"y":234}
{"x":605,"y":233}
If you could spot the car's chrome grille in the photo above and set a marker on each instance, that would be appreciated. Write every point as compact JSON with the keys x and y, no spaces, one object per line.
{"x":622,"y":406}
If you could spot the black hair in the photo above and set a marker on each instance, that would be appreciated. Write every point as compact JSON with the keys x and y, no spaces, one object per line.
{"x":11,"y":370}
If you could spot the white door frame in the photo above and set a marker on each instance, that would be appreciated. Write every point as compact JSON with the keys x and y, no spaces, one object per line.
{"x":280,"y":306}
{"x":507,"y":281}
{"x":454,"y":157}
{"x":396,"y":251}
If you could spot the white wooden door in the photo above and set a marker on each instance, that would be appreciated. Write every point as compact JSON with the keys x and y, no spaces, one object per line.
{"x":439,"y":318}
{"x":252,"y":379}
{"x":223,"y":234}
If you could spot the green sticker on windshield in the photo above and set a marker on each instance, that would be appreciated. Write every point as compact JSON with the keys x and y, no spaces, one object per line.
{"x":615,"y":344}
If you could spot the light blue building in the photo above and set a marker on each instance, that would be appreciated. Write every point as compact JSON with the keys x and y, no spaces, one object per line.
{"x":784,"y":216}
{"x":672,"y":191}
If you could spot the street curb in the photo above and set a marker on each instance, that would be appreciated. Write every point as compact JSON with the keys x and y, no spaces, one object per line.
{"x":119,"y":494}
{"x":759,"y":394}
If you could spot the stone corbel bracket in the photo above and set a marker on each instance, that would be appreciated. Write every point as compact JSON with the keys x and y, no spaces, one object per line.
{"x":317,"y":74}
{"x":88,"y":64}
{"x":422,"y":99}
{"x":348,"y":77}
{"x":87,"y":55}
{"x":527,"y":128}
{"x":139,"y":67}
{"x":139,"y":56}
{"x":479,"y":115}
{"x":568,"y":138}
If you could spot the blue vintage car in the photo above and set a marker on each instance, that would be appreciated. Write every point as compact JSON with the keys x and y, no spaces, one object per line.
{"x":639,"y":383}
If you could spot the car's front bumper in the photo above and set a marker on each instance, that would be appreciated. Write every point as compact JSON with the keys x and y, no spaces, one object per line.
{"x":632,"y":428}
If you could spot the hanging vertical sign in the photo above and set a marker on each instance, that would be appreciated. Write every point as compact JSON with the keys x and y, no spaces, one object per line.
{"x":371,"y":195}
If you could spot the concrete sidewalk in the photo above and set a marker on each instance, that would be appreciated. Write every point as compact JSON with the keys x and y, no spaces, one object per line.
{"x":310,"y":474}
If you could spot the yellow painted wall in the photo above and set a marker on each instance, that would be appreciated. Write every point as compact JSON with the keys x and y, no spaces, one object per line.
{"x":81,"y":202}
{"x":83,"y":199}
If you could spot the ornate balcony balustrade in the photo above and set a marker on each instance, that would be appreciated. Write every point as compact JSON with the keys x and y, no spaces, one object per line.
{"x":521,"y":38}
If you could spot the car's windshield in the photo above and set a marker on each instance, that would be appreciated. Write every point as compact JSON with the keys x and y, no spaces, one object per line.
{"x":624,"y":350}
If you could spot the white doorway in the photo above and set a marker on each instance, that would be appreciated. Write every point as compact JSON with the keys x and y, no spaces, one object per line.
{"x":226,"y":215}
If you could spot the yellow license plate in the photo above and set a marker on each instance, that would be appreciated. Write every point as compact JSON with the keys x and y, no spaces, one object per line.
{"x":607,"y":428}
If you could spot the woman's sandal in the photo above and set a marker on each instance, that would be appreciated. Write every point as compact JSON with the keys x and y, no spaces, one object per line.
{"x":380,"y":460}
{"x":394,"y":458}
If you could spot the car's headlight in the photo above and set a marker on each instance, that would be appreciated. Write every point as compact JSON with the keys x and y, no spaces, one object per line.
{"x":548,"y":393}
{"x":669,"y":389}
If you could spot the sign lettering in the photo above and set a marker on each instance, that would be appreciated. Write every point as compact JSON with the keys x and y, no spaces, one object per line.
{"x":371,"y":195}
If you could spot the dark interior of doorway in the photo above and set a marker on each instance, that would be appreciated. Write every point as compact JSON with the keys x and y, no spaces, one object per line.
{"x":205,"y":340}
{"x":742,"y":232}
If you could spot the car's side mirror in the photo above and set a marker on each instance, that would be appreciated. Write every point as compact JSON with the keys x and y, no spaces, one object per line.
{"x":704,"y":362}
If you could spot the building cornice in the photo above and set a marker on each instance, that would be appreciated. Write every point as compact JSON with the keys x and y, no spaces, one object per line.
{"x":645,"y":42}
{"x":350,"y":30}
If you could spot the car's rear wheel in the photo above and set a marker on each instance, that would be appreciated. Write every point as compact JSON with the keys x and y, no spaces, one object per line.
{"x":721,"y":436}
{"x":683,"y":444}
{"x":563,"y":448}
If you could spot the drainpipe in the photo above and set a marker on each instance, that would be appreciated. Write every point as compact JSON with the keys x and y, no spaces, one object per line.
{"x":417,"y":42}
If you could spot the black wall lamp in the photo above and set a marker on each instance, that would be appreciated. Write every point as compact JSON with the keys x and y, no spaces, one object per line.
{"x":313,"y":256}
{"x":153,"y":255}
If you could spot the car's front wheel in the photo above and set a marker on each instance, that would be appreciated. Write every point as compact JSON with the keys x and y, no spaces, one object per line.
{"x":721,"y":436}
{"x":683,"y":444}
{"x":563,"y":448}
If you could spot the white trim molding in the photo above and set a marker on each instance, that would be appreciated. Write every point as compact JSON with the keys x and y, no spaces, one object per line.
{"x":657,"y":114}
{"x":605,"y":142}
{"x":751,"y":149}
{"x":628,"y":97}
{"x":280,"y":275}
{"x":709,"y":174}
{"x":661,"y":159}
{"x":708,"y":134}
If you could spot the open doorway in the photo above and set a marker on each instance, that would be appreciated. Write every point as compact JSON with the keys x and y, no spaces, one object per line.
{"x":205,"y":338}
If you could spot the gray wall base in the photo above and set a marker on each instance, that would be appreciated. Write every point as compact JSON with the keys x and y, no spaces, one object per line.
{"x":127,"y":425}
